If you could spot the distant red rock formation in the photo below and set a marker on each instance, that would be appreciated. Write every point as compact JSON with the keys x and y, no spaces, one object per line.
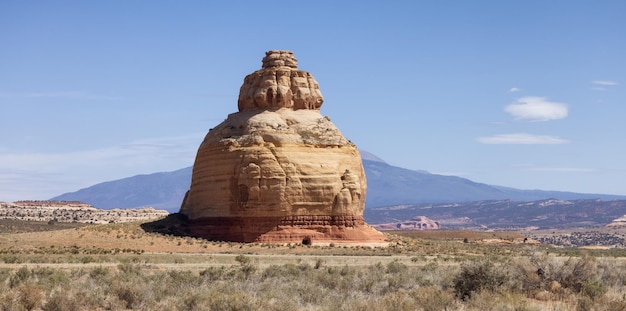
{"x":415,"y":223}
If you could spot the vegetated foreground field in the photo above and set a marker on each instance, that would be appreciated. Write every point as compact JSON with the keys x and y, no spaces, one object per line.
{"x":121,"y":266}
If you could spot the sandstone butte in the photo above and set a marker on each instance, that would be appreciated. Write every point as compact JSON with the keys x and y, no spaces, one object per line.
{"x":277,"y":171}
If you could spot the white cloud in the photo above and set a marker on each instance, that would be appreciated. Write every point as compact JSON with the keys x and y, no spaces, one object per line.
{"x":514,"y":89}
{"x":536,"y":109}
{"x":604,"y":82}
{"x":64,"y":94}
{"x":564,"y":169}
{"x":60,"y":94}
{"x":521,"y":139}
{"x":38,"y":175}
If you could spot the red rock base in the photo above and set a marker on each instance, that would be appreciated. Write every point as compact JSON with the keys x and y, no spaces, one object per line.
{"x":307,"y":230}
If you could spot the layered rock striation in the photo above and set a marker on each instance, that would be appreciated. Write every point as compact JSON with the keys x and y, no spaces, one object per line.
{"x":277,"y":170}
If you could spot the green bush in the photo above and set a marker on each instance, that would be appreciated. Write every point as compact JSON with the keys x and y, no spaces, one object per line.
{"x":478,"y":276}
{"x":396,"y":267}
{"x":575,"y":272}
{"x":21,"y":275}
{"x":243,"y":259}
{"x":593,"y":289}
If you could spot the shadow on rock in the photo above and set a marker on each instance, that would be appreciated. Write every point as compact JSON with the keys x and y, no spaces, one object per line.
{"x":175,"y":224}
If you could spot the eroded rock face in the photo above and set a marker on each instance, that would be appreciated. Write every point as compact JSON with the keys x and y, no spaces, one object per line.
{"x":277,"y":170}
{"x":279,"y":84}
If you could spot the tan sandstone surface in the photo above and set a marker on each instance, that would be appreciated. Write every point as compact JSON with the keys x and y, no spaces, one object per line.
{"x":277,"y":170}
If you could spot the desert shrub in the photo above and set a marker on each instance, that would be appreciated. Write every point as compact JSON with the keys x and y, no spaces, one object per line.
{"x":575,"y":272}
{"x":616,"y":305}
{"x":19,"y":276}
{"x":228,"y":298}
{"x":612,"y":272}
{"x":556,"y":275}
{"x":243,"y":259}
{"x":396,"y":267}
{"x":584,"y":303}
{"x":346,"y":271}
{"x":12,"y":259}
{"x":529,"y":274}
{"x":369,"y":283}
{"x":247,"y":270}
{"x":50,"y":278}
{"x":98,"y":273}
{"x":132,"y":295}
{"x":593,"y":289}
{"x":30,"y":295}
{"x":5,"y":273}
{"x":182,"y":279}
{"x":431,"y":298}
{"x":247,"y":267}
{"x":318,"y":263}
{"x":478,"y":276}
{"x":395,"y":301}
{"x":129,"y":269}
{"x":327,"y":280}
{"x":9,"y":302}
{"x":61,"y":302}
{"x":58,"y":278}
{"x":434,"y":274}
{"x":91,"y":295}
{"x":288,"y":271}
{"x":192,"y":302}
{"x":78,"y":273}
{"x":214,"y":273}
{"x":270,"y":272}
{"x":397,"y":281}
{"x":487,"y":300}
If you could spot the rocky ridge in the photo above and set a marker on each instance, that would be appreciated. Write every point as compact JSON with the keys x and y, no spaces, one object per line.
{"x":618,"y":222}
{"x":72,"y":211}
{"x":510,"y":215}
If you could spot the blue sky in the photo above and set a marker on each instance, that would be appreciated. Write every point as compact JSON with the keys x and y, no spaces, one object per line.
{"x":525,"y":94}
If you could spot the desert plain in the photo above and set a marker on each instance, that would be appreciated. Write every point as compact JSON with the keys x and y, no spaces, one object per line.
{"x":151,"y":264}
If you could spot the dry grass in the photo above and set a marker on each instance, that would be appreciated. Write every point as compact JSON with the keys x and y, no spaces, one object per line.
{"x":16,"y":226}
{"x":122,"y":266}
{"x":458,"y":235}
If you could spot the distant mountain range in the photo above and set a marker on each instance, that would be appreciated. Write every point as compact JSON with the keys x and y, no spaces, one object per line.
{"x":159,"y":190}
{"x":506,"y":214}
{"x":386,"y":185}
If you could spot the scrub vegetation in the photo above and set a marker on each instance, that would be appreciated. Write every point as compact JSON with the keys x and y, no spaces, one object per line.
{"x":446,"y":271}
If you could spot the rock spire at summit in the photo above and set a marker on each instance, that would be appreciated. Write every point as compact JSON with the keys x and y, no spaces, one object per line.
{"x":279,"y":84}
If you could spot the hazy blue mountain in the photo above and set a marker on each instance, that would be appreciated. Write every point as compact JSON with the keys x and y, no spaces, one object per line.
{"x":392,"y":185}
{"x":387,"y":185}
{"x":159,"y":190}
